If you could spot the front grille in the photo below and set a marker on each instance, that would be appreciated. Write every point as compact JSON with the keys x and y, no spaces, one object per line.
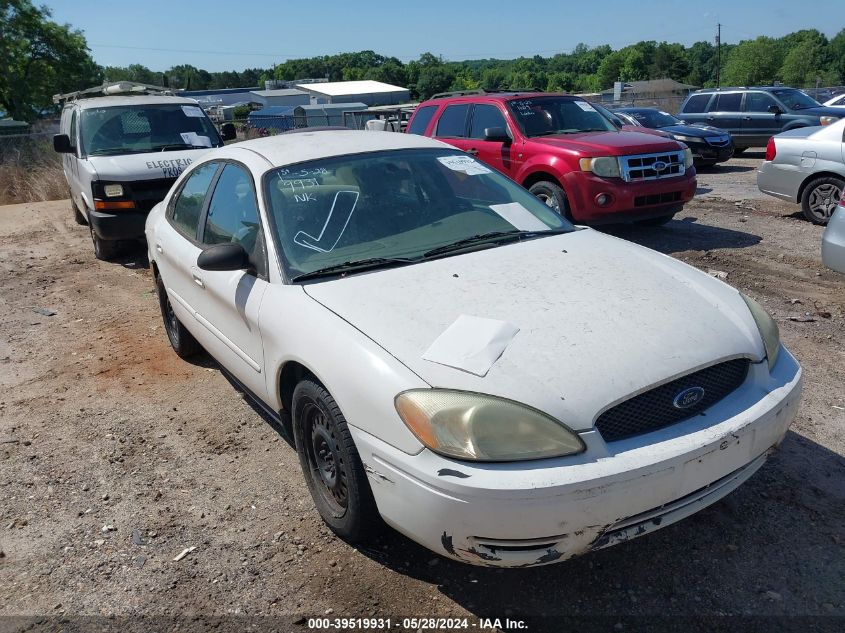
{"x":657,"y":198}
{"x":718,"y":141}
{"x":652,"y":166}
{"x":148,"y":193}
{"x":655,"y":409}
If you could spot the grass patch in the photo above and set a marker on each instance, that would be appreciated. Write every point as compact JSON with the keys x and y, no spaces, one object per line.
{"x":30,"y":171}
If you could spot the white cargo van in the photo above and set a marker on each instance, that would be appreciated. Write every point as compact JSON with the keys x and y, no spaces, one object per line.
{"x":121,"y":154}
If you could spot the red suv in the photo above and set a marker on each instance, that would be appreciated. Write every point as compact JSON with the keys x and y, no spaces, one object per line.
{"x":565,"y":152}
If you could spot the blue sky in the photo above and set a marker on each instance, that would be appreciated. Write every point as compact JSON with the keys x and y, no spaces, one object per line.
{"x":232,"y":35}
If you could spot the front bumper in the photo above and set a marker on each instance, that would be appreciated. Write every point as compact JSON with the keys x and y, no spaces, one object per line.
{"x":708,"y":154}
{"x":118,"y":225}
{"x":525,"y":514}
{"x":630,"y":201}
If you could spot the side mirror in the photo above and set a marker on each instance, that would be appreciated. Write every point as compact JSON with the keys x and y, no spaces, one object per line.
{"x":498,"y":134}
{"x":227,"y":131}
{"x":62,"y":144}
{"x":231,"y":256}
{"x":775,"y":109}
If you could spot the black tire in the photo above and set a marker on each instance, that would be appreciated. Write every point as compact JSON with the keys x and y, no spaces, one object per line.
{"x":658,"y":221}
{"x":331,"y":465}
{"x":105,"y":250}
{"x":553,"y":196}
{"x":182,"y":341}
{"x":739,"y":150}
{"x":820,"y":198}
{"x":77,"y":214}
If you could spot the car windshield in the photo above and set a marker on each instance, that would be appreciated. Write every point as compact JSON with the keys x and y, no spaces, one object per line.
{"x":396,"y":207}
{"x":146,"y":128}
{"x":653,"y":118}
{"x":544,"y":116}
{"x":795,"y":99}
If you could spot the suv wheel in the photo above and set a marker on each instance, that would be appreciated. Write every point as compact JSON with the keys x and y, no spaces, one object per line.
{"x":105,"y":250}
{"x":331,"y":465}
{"x":182,"y":341}
{"x":552,"y":195}
{"x":820,"y":199}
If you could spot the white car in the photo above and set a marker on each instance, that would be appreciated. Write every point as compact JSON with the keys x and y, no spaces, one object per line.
{"x":454,"y":357}
{"x":836,"y":102}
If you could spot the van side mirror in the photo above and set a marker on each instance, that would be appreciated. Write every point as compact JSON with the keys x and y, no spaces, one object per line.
{"x":498,"y":134}
{"x":231,"y":256}
{"x":775,"y":109}
{"x":62,"y":144}
{"x":227,"y":131}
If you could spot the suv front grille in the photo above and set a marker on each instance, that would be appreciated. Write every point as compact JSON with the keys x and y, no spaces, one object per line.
{"x":655,"y":408}
{"x":652,"y":166}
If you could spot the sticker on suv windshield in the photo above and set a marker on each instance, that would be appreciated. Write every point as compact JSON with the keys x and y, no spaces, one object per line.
{"x":192,"y":111}
{"x":339,"y":215}
{"x":465,"y":164}
{"x":586,"y":107}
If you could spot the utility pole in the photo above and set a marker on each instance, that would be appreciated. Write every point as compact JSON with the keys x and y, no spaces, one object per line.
{"x":718,"y":55}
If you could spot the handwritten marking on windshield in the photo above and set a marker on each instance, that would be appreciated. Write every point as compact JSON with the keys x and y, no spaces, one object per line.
{"x":344,"y":202}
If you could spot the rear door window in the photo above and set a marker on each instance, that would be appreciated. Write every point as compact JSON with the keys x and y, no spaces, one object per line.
{"x":758,"y":102}
{"x":186,"y":208}
{"x":727,"y":102}
{"x":697,"y":103}
{"x":484,"y":116}
{"x":422,"y":119}
{"x":453,"y":121}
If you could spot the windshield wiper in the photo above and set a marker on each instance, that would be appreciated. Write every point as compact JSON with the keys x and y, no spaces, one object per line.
{"x":494,"y":237}
{"x":175,"y":146}
{"x":358,"y":265}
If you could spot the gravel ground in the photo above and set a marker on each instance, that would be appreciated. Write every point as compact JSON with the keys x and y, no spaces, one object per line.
{"x":116,"y":456}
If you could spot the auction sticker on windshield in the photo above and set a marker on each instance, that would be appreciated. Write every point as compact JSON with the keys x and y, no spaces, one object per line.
{"x":468,"y":165}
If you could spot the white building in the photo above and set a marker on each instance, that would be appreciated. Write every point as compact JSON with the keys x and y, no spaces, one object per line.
{"x":370,"y":92}
{"x":281,"y":97}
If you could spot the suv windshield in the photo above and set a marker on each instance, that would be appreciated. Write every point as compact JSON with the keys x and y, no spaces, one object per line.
{"x":795,"y":99}
{"x":542,"y":116}
{"x":146,"y":128}
{"x":395,"y":207}
{"x":653,"y":118}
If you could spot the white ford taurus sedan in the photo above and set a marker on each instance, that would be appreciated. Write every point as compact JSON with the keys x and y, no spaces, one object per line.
{"x":454,"y":358}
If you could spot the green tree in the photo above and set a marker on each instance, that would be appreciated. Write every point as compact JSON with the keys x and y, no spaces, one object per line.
{"x":808,"y":60}
{"x":753,"y":62}
{"x":39,"y":58}
{"x":433,"y":79}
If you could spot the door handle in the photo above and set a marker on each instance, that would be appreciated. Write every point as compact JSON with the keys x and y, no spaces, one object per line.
{"x":710,"y":118}
{"x":746,"y":118}
{"x":198,"y":280}
{"x":472,"y":151}
{"x":159,"y":248}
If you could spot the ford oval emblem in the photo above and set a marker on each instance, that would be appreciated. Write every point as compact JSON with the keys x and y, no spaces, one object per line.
{"x":659,"y":165}
{"x":688,"y":398}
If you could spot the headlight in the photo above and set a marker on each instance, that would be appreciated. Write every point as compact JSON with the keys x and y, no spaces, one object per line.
{"x":686,"y":139}
{"x":477,"y":427}
{"x":827,"y":120}
{"x":687,"y":158}
{"x":768,"y":329}
{"x":113,"y":191}
{"x":604,"y":166}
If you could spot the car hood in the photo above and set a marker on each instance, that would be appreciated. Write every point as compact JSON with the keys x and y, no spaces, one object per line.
{"x":613,"y":143}
{"x":693,"y":130}
{"x":821,"y":111}
{"x":147,"y":166}
{"x":599,"y":319}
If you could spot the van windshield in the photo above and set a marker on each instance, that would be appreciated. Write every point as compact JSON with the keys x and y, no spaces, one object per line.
{"x":138,"y":129}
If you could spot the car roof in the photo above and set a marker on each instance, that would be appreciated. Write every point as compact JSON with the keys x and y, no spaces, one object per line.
{"x":107,"y":102}
{"x":289,"y":149}
{"x":741,"y":88}
{"x":497,"y":97}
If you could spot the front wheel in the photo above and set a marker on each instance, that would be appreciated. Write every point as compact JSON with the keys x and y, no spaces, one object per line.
{"x":820,"y":199}
{"x":331,"y":465}
{"x":105,"y":250}
{"x":552,"y":195}
{"x":182,"y":341}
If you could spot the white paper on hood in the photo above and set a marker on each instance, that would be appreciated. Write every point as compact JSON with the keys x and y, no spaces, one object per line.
{"x":520,"y":217}
{"x":472,"y":344}
{"x":192,"y":111}
{"x":192,"y":138}
{"x":466,"y":164}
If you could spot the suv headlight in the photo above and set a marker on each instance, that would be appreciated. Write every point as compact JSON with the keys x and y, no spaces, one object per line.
{"x":477,"y":427}
{"x":768,"y":329}
{"x":827,"y":120}
{"x":603,"y":166}
{"x":687,"y":158}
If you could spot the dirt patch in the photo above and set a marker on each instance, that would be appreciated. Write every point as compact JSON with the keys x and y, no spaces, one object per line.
{"x":104,"y":427}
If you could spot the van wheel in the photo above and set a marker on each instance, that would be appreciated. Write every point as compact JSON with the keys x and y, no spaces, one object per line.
{"x":820,"y":198}
{"x":77,"y":214}
{"x":331,"y":465}
{"x":105,"y":250}
{"x":182,"y":341}
{"x":553,"y":196}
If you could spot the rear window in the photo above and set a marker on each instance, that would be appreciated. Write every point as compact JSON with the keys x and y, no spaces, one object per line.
{"x":453,"y":121}
{"x":421,"y":119}
{"x":696,"y":103}
{"x":728,"y":102}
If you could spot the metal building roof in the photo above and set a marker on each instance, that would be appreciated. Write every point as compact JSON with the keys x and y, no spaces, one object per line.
{"x":339,"y":88}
